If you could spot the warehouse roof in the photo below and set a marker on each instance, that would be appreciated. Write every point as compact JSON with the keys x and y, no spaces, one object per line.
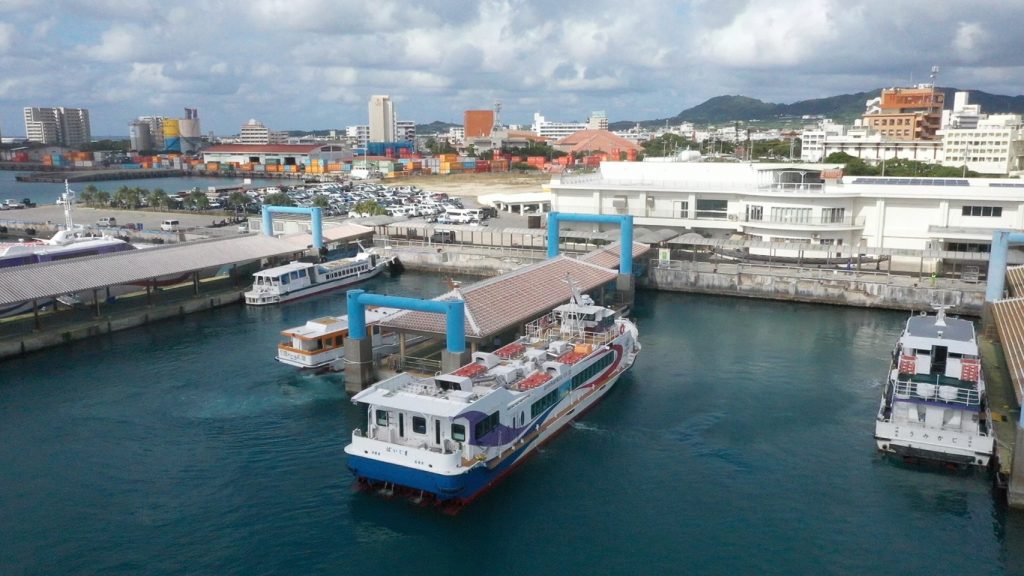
{"x":46,"y":280}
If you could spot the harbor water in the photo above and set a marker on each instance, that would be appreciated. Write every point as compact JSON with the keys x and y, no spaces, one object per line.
{"x":739,"y":443}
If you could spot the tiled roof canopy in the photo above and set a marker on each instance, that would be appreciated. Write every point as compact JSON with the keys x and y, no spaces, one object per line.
{"x":504,"y":302}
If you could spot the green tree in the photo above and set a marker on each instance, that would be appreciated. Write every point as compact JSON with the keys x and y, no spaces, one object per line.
{"x":237,"y":199}
{"x":197,"y":200}
{"x":321,"y":201}
{"x":157,"y":198}
{"x":371,"y":207}
{"x":102,"y":198}
{"x":667,"y":144}
{"x":278,"y":199}
{"x":88,"y":196}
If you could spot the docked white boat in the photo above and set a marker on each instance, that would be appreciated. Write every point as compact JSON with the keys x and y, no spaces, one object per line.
{"x":299,"y":279}
{"x":73,"y":241}
{"x":451,"y":436}
{"x":934,"y":405}
{"x":320,"y":343}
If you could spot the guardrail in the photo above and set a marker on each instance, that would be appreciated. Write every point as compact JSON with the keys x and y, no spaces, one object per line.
{"x":936,"y":392}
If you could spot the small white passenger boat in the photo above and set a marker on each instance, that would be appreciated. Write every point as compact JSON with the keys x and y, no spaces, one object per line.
{"x":319,"y":344}
{"x":934,"y":405}
{"x":300,"y":279}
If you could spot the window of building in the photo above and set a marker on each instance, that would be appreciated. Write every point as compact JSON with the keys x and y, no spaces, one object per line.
{"x":419,"y":424}
{"x":485,"y":426}
{"x":755,"y":213}
{"x":968,"y":247}
{"x":712,"y":209}
{"x":458,"y":432}
{"x":994,"y":211}
{"x":833,"y":215}
{"x":791,"y":215}
{"x":683,"y":209}
{"x":382,"y":417}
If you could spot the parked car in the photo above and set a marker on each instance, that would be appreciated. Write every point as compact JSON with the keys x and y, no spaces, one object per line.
{"x":107,"y":222}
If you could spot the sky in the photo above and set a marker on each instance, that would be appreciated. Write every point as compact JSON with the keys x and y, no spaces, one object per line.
{"x":313,"y":64}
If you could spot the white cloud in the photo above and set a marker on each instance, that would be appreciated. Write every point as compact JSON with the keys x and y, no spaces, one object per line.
{"x":8,"y":36}
{"x":966,"y":42}
{"x":299,"y":62}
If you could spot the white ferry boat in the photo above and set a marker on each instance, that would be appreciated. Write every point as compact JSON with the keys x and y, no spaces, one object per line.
{"x":73,"y":241}
{"x":934,"y":405}
{"x":300,"y":279}
{"x":452,"y":436}
{"x":320,"y":343}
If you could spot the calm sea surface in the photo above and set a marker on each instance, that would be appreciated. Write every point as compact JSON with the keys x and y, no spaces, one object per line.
{"x":47,"y":193}
{"x":739,"y":443}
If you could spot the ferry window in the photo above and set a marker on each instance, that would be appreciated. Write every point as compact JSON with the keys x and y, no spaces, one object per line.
{"x":382,"y":417}
{"x":284,"y":279}
{"x":419,"y":424}
{"x":401,"y":424}
{"x":485,"y":426}
{"x":458,"y":432}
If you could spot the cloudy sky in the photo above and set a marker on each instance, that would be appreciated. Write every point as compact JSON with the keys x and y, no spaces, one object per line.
{"x":313,"y":64}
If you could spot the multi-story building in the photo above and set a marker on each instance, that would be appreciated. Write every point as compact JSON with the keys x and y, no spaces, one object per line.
{"x":358,"y":136}
{"x":254,"y":132}
{"x":478,"y":123}
{"x":804,"y":206}
{"x":598,"y":120}
{"x":994,"y":146}
{"x":456,"y":135}
{"x":812,"y":141}
{"x":405,"y":131}
{"x":64,"y":126}
{"x":382,"y":119}
{"x":156,"y":131}
{"x":906,"y":113}
{"x":554,"y":130}
{"x":963,"y":114}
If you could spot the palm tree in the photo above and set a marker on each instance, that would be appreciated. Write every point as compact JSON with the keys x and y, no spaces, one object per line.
{"x":103,"y":198}
{"x":89,"y":195}
{"x":321,"y":201}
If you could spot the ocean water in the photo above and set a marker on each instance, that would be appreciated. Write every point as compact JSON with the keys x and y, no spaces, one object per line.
{"x":739,"y":443}
{"x":48,"y":192}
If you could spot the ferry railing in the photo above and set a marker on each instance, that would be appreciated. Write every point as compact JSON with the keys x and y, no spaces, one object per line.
{"x":413,"y":364}
{"x":935,"y":391}
{"x":546,"y":329}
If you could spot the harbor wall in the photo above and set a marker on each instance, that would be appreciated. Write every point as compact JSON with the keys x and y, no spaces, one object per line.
{"x":823,"y":286}
{"x":470,"y":262}
{"x":11,"y":347}
{"x":861,"y":288}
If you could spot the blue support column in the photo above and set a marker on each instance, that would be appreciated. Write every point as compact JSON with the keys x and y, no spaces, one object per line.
{"x":553,"y":220}
{"x":268,"y":222}
{"x":625,"y":222}
{"x":1001,"y":240}
{"x":315,"y":221}
{"x":454,"y":310}
{"x":317,"y":227}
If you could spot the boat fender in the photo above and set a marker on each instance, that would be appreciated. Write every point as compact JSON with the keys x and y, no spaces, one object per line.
{"x":622,"y":328}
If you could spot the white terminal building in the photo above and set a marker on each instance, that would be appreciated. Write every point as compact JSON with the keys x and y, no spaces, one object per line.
{"x":802,"y":207}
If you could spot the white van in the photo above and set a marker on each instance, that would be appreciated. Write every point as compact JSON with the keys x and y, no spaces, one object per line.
{"x":107,"y":222}
{"x":170,"y":225}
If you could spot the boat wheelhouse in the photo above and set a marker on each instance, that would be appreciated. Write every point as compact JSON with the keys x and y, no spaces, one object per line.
{"x":934,"y":405}
{"x":320,"y":342}
{"x":451,"y":436}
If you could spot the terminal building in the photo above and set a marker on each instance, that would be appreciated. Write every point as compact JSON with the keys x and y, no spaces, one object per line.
{"x":804,"y":207}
